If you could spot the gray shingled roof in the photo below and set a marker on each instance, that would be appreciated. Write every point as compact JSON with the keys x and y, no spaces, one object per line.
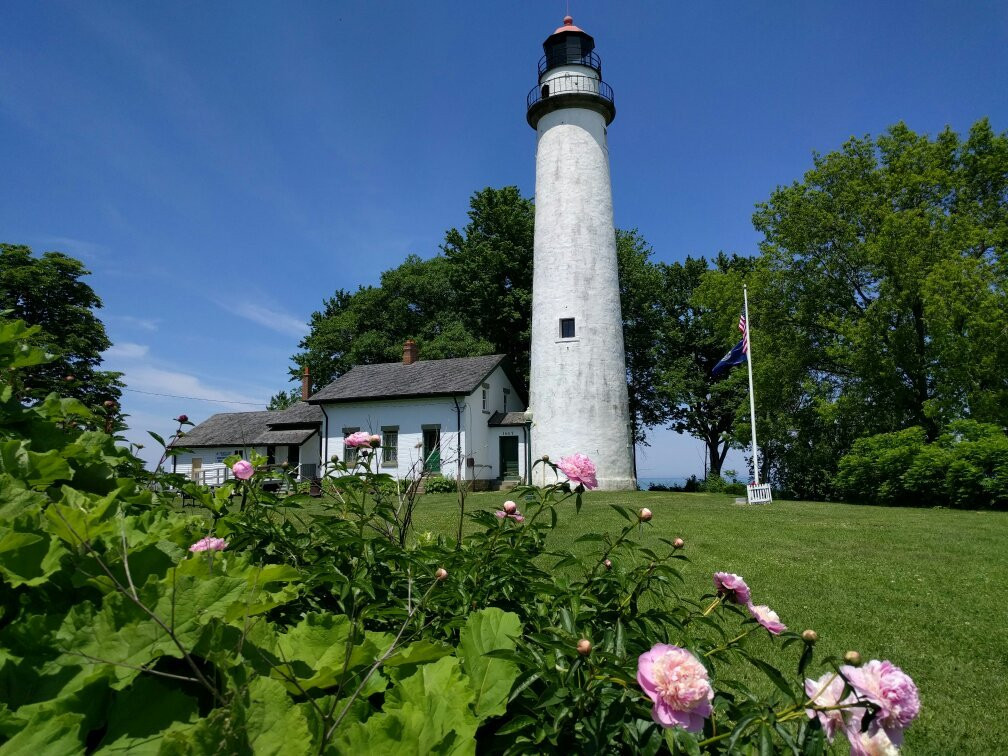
{"x":397,"y":380}
{"x":227,"y":429}
{"x":506,"y":418}
{"x":254,"y":428}
{"x":284,"y":437}
{"x":299,"y":414}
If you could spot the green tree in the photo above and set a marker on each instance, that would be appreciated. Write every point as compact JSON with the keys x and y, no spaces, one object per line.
{"x":701,"y":306}
{"x":490,"y":272}
{"x":48,"y":292}
{"x":885,"y":281}
{"x":641,"y":301}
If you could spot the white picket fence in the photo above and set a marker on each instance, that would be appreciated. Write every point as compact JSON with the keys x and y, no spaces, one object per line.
{"x":759,"y":494}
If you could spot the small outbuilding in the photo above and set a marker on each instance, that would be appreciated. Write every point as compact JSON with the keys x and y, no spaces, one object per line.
{"x":291,"y":435}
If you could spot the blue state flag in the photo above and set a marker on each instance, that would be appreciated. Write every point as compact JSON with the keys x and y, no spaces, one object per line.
{"x":737,"y":356}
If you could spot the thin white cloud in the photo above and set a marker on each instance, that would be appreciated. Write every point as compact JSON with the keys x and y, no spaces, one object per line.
{"x":275,"y":320}
{"x":126,"y":350}
{"x":152,"y":380}
{"x":142,"y":324}
{"x":75,"y":247}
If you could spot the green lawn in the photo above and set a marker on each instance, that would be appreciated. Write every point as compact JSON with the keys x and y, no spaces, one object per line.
{"x":923,"y":588}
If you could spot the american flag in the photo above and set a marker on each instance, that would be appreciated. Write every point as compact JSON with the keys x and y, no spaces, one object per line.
{"x":742,"y":326}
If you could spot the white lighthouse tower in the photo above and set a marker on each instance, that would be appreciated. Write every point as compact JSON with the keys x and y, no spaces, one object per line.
{"x":578,"y":389}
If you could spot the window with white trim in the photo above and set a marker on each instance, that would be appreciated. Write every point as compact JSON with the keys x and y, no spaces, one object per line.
{"x":486,"y":398}
{"x":566,"y":328}
{"x":390,"y":446}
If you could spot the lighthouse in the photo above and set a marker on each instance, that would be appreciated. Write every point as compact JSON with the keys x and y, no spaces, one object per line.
{"x":578,"y":388}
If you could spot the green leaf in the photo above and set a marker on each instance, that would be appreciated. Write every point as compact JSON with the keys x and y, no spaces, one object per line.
{"x":37,"y":470}
{"x":47,"y":734}
{"x":275,"y":725}
{"x":489,"y":630}
{"x":425,"y":713}
{"x":136,"y":727}
{"x":157,"y":438}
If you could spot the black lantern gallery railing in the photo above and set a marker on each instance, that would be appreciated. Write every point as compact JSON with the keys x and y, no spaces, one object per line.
{"x":569,"y":84}
{"x":565,"y":57}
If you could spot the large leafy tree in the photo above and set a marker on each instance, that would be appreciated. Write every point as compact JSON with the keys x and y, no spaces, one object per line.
{"x":48,"y":292}
{"x":701,"y":308}
{"x":642,"y":283}
{"x":884,"y":280}
{"x":489,"y":266}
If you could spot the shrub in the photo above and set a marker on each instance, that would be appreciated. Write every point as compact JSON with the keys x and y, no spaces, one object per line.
{"x":439,"y":485}
{"x":965,"y":467}
{"x":714,"y":484}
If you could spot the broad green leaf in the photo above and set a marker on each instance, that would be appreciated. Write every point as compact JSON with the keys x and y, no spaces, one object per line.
{"x":28,"y":556}
{"x":425,"y":713}
{"x":135,"y":726}
{"x":275,"y":725}
{"x":37,"y":470}
{"x":47,"y":734}
{"x":489,"y":629}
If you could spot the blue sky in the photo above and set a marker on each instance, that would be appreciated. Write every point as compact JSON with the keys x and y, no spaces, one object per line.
{"x":223,"y":167}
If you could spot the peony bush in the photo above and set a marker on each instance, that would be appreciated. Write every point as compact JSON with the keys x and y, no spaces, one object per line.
{"x":256,"y":623}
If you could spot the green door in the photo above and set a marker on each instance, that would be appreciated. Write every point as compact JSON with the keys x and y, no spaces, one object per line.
{"x":509,"y":456}
{"x":432,"y":449}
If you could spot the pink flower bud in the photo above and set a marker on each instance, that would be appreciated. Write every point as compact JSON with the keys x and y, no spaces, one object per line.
{"x":375,"y":440}
{"x":644,"y":514}
{"x":182,"y":418}
{"x":810,"y":636}
{"x":853,"y":658}
{"x":510,"y":507}
{"x":608,"y":564}
{"x":441,"y":573}
{"x":584,"y":647}
{"x":242,"y":469}
{"x":678,"y":543}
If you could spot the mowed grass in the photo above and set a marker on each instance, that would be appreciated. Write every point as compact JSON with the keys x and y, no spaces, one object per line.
{"x":924,"y":588}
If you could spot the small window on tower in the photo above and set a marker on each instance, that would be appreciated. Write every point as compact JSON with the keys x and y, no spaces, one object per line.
{"x":566,"y":328}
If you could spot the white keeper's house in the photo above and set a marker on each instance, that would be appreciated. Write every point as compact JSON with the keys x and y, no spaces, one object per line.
{"x":457,"y":417}
{"x":460,"y":417}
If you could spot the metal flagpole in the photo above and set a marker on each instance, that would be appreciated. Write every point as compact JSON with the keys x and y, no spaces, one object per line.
{"x":752,"y":401}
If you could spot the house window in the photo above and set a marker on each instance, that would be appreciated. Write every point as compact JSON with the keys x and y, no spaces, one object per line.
{"x":349,"y":452}
{"x":390,"y":446}
{"x":506,"y":392}
{"x":486,"y":398}
{"x":566,"y":328}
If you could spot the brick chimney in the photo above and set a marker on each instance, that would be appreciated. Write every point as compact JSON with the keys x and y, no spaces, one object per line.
{"x":305,"y":384}
{"x":410,"y":353}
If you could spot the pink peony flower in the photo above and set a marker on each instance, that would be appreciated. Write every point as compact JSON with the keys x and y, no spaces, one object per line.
{"x":357,"y":440}
{"x":827,"y":691}
{"x":679,"y":686}
{"x":209,"y":544}
{"x":732,"y":587}
{"x":768,"y":618}
{"x":242,"y":469}
{"x":510,"y":507}
{"x":888,"y":687}
{"x":579,"y":470}
{"x":865,"y":744}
